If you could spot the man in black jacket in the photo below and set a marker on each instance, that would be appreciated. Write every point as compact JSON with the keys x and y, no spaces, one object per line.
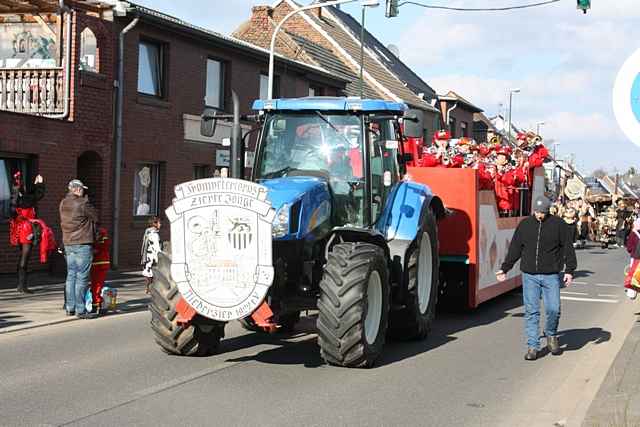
{"x":542,"y":244}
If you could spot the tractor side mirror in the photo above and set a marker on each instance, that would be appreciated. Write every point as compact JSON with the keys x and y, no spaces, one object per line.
{"x":413,"y":122}
{"x":208,"y":122}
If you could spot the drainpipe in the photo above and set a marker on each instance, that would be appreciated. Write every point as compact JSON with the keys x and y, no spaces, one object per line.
{"x":449,"y":112}
{"x":118,"y":143}
{"x":67,"y":63}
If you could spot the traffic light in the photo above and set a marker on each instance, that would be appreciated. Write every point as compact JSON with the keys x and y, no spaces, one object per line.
{"x":584,"y":5}
{"x":391,"y":10}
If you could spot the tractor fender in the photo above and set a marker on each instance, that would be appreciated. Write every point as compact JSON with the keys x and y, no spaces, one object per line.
{"x":405,"y":215}
{"x":356,"y":234}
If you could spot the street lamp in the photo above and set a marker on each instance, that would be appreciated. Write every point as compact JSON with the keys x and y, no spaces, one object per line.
{"x":511,"y":92}
{"x":286,"y":18}
{"x":365,"y":4}
{"x":538,"y":127}
{"x":555,"y":147}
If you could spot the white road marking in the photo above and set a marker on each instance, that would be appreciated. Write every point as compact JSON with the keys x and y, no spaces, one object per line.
{"x":607,"y":285}
{"x":574,"y":293}
{"x":608,"y":295}
{"x":612,"y":301}
{"x":579,"y":283}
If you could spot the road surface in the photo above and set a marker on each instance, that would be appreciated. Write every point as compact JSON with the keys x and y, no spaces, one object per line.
{"x":469,"y":372}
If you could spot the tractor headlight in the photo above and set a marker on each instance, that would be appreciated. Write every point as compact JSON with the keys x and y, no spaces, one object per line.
{"x":280,"y":226}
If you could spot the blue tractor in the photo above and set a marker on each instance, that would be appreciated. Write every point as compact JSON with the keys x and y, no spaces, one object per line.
{"x":352,"y":237}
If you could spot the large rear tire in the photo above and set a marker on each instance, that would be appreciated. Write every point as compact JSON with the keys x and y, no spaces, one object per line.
{"x":196,"y":339}
{"x":353,"y":305}
{"x":414,"y":320}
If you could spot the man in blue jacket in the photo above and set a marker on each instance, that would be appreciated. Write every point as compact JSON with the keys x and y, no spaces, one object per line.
{"x":542,"y":244}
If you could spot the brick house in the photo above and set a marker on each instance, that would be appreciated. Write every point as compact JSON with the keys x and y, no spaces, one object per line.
{"x":483,"y":128}
{"x":172,"y":70}
{"x":457,"y":115}
{"x":330,"y":38}
{"x":54,"y":66}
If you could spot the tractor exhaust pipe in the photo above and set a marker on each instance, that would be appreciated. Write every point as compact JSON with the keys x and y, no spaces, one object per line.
{"x":237,"y":145}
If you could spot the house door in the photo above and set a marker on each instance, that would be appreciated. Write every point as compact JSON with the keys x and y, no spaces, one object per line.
{"x":90,"y":173}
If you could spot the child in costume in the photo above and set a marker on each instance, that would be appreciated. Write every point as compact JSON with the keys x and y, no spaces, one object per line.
{"x":150,"y":249}
{"x":99,"y":268}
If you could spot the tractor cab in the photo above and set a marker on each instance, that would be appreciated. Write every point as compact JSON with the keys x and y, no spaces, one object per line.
{"x":343,"y":151}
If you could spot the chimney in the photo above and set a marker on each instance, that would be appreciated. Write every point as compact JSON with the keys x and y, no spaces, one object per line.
{"x":261,"y":12}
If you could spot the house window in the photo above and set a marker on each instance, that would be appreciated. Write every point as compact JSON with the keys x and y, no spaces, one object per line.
{"x":150,"y":68}
{"x":9,"y":166}
{"x":452,"y":127}
{"x":201,"y":171}
{"x":264,"y":86}
{"x":145,"y":189}
{"x":88,"y":51}
{"x":464,"y":129}
{"x":214,"y":96}
{"x":315,"y":91}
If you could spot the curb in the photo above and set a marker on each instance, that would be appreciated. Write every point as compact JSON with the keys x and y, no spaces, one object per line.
{"x":67,"y":319}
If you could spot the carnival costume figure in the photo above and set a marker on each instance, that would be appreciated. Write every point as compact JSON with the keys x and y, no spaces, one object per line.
{"x":25,"y":229}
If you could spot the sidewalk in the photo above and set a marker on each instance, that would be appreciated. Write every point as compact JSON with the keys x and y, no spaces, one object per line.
{"x":617,"y":403}
{"x":44,"y":306}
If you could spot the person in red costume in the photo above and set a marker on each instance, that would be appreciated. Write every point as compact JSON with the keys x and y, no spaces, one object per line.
{"x":506,"y":181}
{"x":440,"y":154}
{"x":25,"y":230}
{"x":99,"y":267}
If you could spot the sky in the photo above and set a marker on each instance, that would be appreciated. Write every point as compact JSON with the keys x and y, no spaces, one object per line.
{"x":564,"y":62}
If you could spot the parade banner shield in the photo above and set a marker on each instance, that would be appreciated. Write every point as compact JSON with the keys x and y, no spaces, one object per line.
{"x":221,"y":246}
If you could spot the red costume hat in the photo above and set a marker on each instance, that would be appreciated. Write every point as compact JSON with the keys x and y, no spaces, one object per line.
{"x":442,"y":135}
{"x":504,"y":150}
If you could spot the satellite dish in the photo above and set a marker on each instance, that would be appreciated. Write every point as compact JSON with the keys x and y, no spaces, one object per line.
{"x":394,"y":49}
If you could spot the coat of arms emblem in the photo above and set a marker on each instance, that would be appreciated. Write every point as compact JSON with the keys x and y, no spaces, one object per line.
{"x":221,"y":246}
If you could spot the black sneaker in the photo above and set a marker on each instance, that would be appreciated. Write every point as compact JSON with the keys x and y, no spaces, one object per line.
{"x":87,"y":316}
{"x":532,"y":354}
{"x":70,"y":313}
{"x":553,"y":344}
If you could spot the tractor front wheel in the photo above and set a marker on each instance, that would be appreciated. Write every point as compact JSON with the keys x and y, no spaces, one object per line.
{"x":353,"y":305}
{"x":196,"y":339}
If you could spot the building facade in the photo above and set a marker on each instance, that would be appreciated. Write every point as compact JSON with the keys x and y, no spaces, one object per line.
{"x":172,"y":71}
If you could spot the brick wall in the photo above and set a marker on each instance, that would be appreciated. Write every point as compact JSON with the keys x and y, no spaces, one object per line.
{"x":56,"y":144}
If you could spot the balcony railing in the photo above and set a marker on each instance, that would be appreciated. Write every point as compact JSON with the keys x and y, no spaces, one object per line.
{"x":38,"y":91}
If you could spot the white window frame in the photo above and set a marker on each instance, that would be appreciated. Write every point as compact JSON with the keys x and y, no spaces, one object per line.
{"x":153,"y":192}
{"x":219,"y":104}
{"x":160,"y":92}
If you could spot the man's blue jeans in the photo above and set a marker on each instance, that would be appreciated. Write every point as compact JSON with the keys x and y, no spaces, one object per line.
{"x":535,"y":286}
{"x":79,"y":258}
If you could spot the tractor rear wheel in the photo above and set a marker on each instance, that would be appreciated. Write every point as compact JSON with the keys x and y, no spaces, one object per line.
{"x":353,"y":305}
{"x":196,"y":339}
{"x":413,"y":321}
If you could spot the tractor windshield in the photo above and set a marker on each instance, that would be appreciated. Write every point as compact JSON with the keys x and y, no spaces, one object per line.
{"x":318,"y":144}
{"x":328,"y":144}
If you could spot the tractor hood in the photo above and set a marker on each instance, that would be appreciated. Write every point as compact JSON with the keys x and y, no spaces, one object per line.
{"x":302,"y":204}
